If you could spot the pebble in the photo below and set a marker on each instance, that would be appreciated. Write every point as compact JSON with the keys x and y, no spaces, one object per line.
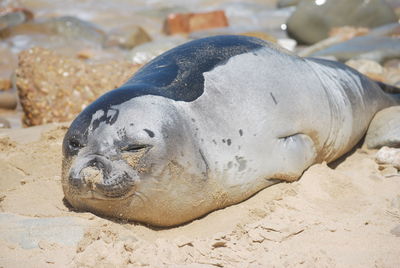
{"x":396,"y":231}
{"x":8,"y":100}
{"x":128,"y":36}
{"x":388,"y":156}
{"x":4,"y":124}
{"x":12,"y":16}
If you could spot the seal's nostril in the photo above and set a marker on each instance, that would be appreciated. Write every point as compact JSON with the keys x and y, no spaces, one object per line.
{"x":76,"y":181}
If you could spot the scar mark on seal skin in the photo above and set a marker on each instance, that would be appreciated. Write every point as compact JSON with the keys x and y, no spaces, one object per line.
{"x":240,"y":132}
{"x":273,"y":98}
{"x":149,"y":132}
{"x":229,"y":142}
{"x":205,"y":162}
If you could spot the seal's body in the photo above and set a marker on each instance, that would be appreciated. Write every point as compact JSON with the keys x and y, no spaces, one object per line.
{"x":208,"y":124}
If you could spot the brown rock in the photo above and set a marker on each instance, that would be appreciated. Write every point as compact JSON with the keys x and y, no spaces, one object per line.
{"x":54,"y":88}
{"x":190,"y":22}
{"x":261,"y":35}
{"x":5,"y":84}
{"x":8,"y":100}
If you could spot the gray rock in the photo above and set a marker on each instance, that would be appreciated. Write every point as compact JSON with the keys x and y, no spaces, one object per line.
{"x":313,"y":19}
{"x":14,"y":16}
{"x":384,"y":129}
{"x":75,"y":28}
{"x":286,"y":3}
{"x":373,"y":48}
{"x":28,"y":232}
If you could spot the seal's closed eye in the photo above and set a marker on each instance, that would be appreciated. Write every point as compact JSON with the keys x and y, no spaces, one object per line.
{"x":74,"y":144}
{"x":134,"y":148}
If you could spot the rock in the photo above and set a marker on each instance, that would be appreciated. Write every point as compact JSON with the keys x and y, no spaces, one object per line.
{"x":8,"y":100}
{"x":286,"y":3}
{"x":373,"y":48}
{"x":5,"y":84}
{"x":369,"y":68}
{"x":388,"y":171}
{"x":396,"y":231}
{"x":313,"y":19}
{"x":31,"y":232}
{"x":336,"y":36}
{"x":54,"y":88}
{"x":190,"y":22}
{"x":128,"y":36}
{"x":250,"y":16}
{"x":391,"y":29}
{"x":261,"y":35}
{"x":148,"y":51}
{"x":74,"y":28}
{"x":388,"y":156}
{"x":11,"y":16}
{"x":384,"y":129}
{"x":287,"y":43}
{"x":4,"y":123}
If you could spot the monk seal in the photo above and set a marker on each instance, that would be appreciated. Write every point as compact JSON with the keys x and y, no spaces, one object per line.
{"x":208,"y":124}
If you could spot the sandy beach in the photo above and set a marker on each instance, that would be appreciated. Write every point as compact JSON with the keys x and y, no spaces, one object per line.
{"x":347,"y":216}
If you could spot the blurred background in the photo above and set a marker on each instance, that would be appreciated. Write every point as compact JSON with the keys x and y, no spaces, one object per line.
{"x":57,"y":56}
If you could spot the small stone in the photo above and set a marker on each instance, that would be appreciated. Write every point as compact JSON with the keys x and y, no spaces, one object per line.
{"x":396,"y":231}
{"x":128,"y":37}
{"x":4,"y":123}
{"x":190,"y":22}
{"x":219,"y":244}
{"x":388,"y":156}
{"x":388,"y":171}
{"x":5,"y":84}
{"x":8,"y":100}
{"x":261,"y":35}
{"x":12,"y":16}
{"x":287,"y":43}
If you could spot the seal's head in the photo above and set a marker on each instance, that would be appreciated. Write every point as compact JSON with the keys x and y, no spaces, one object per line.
{"x":135,"y":160}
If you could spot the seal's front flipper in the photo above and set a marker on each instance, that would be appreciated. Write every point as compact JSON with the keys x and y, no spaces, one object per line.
{"x":295,"y":154}
{"x":384,"y":129}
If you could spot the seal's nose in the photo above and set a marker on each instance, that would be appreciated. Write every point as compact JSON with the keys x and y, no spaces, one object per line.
{"x":88,"y":170}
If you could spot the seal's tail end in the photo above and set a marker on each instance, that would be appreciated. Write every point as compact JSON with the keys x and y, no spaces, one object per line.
{"x":388,"y":88}
{"x":393,"y":90}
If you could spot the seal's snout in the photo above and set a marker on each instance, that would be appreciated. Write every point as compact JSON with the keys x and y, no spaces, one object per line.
{"x":101,"y":176}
